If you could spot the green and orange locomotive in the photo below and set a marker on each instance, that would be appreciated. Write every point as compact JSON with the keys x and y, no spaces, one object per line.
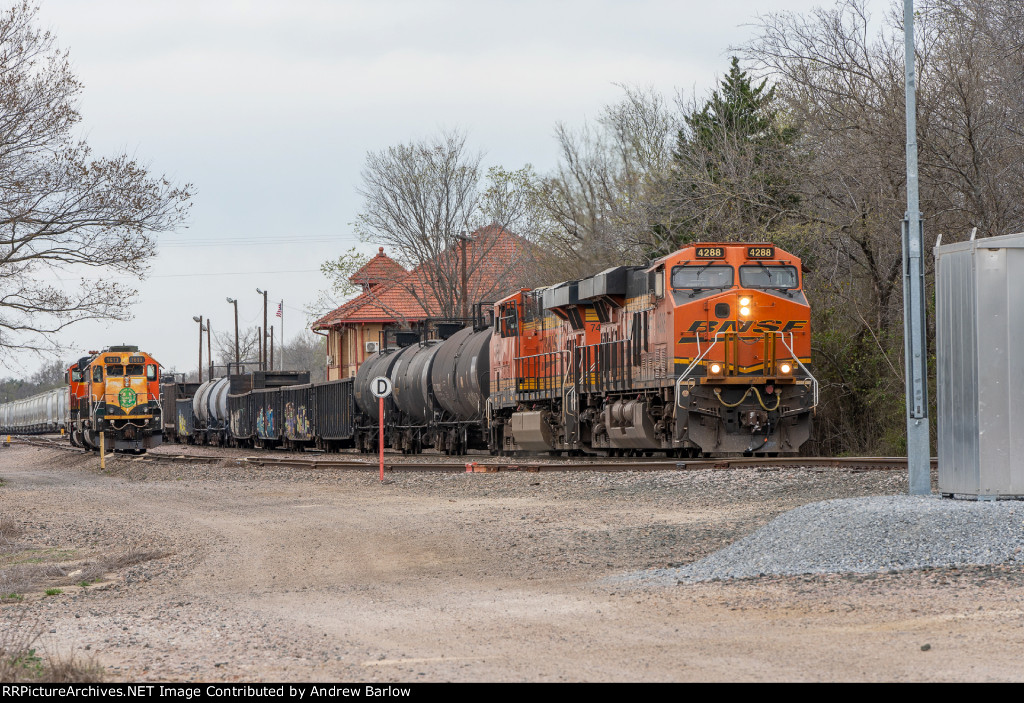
{"x":115,"y":392}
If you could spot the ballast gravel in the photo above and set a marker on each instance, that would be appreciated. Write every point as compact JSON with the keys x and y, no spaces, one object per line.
{"x":864,"y":535}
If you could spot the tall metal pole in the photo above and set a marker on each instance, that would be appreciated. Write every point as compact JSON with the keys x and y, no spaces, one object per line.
{"x":209,"y":348}
{"x":238,"y":356}
{"x":271,"y":347}
{"x":914,"y":330}
{"x":463,"y":238}
{"x":264,"y":334}
{"x":200,"y":321}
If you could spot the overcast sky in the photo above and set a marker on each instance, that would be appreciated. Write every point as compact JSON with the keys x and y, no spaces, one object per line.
{"x":268,"y":108}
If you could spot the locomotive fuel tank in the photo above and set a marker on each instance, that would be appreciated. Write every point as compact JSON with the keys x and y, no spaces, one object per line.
{"x":461,"y":374}
{"x":411,"y":378}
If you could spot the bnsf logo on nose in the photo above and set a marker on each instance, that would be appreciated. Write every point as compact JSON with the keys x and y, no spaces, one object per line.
{"x":759,"y":327}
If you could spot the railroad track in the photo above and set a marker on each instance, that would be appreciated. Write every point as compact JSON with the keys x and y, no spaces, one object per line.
{"x":483,"y":464}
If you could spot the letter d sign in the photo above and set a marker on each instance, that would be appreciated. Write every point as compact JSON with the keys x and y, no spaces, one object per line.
{"x":381,"y":387}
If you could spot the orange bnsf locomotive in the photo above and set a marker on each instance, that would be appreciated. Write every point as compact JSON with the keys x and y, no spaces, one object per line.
{"x":705,"y":351}
{"x":116,"y":392}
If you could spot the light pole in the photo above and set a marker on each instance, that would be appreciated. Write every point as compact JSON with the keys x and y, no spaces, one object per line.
{"x":200,"y":321}
{"x":915,"y":331}
{"x":209,"y":348}
{"x":263,"y":335}
{"x":238,"y":358}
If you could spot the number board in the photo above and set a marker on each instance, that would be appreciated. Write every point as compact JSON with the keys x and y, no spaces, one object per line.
{"x":760,"y":252}
{"x":136,"y":360}
{"x":709,"y":252}
{"x":111,"y":360}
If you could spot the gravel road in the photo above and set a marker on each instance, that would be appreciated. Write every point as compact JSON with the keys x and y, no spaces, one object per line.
{"x":299,"y":575}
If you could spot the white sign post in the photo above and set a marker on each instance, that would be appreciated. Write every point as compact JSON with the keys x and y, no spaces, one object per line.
{"x":381,"y":387}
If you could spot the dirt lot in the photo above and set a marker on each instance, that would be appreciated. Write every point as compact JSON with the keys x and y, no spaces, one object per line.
{"x":287,"y":575}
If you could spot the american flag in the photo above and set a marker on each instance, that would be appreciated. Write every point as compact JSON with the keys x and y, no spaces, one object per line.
{"x":280,"y":309}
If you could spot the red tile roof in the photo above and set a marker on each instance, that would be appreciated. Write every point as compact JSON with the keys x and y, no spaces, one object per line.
{"x":380,"y":269}
{"x":495,"y":263}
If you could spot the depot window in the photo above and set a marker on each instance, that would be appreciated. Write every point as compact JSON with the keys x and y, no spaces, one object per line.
{"x":701,"y":277}
{"x":766,"y":276}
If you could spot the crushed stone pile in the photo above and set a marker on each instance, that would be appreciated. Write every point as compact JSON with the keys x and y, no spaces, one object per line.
{"x":863,"y":535}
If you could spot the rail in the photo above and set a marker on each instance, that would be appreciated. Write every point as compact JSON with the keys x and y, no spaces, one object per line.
{"x":488,"y":464}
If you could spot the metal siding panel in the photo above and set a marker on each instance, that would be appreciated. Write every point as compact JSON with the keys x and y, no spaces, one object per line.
{"x":1014,"y":482}
{"x":993,"y":358}
{"x":956,"y":350}
{"x":965,"y":356}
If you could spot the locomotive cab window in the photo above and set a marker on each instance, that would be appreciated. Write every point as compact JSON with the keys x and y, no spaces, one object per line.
{"x":700,"y":277}
{"x":769,"y":276}
{"x":115,"y":371}
{"x":134,"y":370}
{"x":77,"y":376}
{"x":150,"y":372}
{"x":507,"y":323}
{"x":97,"y":374}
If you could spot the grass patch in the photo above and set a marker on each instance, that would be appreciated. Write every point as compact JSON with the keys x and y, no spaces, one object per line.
{"x":23,"y":660}
{"x":53,"y":591}
{"x":10,"y":531}
{"x":33,"y":573}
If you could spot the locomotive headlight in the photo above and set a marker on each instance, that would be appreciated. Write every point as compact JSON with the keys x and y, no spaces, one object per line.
{"x":715,"y":368}
{"x":745,"y":302}
{"x":745,"y":310}
{"x":785,"y":368}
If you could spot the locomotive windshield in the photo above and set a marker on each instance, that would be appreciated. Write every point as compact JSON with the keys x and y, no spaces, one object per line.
{"x":134,"y":370}
{"x":768,"y":276}
{"x":701,"y":277}
{"x":115,"y":370}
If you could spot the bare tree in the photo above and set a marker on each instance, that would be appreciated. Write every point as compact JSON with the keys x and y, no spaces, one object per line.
{"x":601,"y":202}
{"x":62,"y":211}
{"x":423,"y":200}
{"x":306,"y":352}
{"x":248,"y":346}
{"x":839,"y":75}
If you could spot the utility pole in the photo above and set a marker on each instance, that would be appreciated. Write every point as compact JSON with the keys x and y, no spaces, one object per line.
{"x":209,"y":348}
{"x":200,"y":321}
{"x":915,"y":342}
{"x":463,"y":238}
{"x":263,"y":335}
{"x":238,"y":358}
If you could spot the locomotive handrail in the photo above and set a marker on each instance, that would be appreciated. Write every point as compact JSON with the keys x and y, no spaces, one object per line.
{"x":693,"y":364}
{"x":814,"y":381}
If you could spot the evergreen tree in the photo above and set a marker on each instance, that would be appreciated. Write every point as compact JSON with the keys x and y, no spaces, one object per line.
{"x":733,"y":166}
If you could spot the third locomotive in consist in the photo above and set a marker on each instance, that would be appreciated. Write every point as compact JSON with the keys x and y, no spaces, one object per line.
{"x":704,"y":351}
